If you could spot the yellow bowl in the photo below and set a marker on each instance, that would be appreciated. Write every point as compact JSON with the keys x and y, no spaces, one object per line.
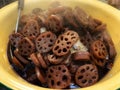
{"x":104,"y":12}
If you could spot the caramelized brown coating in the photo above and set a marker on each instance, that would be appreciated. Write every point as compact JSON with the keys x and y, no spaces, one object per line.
{"x":65,"y":42}
{"x":86,"y":75}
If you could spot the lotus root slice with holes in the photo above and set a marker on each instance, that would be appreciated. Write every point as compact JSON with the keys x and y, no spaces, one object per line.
{"x":45,"y":42}
{"x":31,"y":28}
{"x":54,"y":23}
{"x":99,"y":50}
{"x":26,"y":47}
{"x":86,"y":75}
{"x":15,"y":38}
{"x":65,"y":42}
{"x":53,"y":59}
{"x":58,"y":77}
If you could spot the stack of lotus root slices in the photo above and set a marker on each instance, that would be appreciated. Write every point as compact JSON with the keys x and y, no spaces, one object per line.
{"x":61,"y":47}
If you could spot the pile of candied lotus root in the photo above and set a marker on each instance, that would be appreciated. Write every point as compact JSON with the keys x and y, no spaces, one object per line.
{"x":65,"y":45}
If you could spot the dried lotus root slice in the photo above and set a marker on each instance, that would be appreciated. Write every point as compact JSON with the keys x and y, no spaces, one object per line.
{"x":41,"y":61}
{"x":109,"y":44}
{"x":26,"y":47}
{"x":45,"y":41}
{"x":57,"y":11}
{"x":31,"y":28}
{"x":54,"y":23}
{"x":86,"y":75}
{"x":35,"y":60}
{"x":81,"y":17}
{"x":53,"y":59}
{"x":37,"y":11}
{"x":65,"y":42}
{"x":21,"y":58}
{"x":58,"y":77}
{"x":25,"y":18}
{"x":99,"y":50}
{"x":41,"y":20}
{"x":81,"y":56}
{"x":99,"y":62}
{"x":15,"y":38}
{"x":86,"y":39}
{"x":40,"y":75}
{"x":69,"y":18}
{"x":17,"y":63}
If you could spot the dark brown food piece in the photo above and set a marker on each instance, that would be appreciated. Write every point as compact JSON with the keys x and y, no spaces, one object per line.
{"x":41,"y":61}
{"x":109,"y":66}
{"x":35,"y":60}
{"x":96,"y":25}
{"x":15,"y":38}
{"x":21,"y":58}
{"x":86,"y":75}
{"x":58,"y":77}
{"x":25,"y":18}
{"x":31,"y":28}
{"x":69,"y":18}
{"x":54,"y":23}
{"x":45,"y":41}
{"x":37,"y":11}
{"x":32,"y":78}
{"x":98,"y":61}
{"x":26,"y":47}
{"x":53,"y":59}
{"x":98,"y":49}
{"x":109,"y":43}
{"x":40,"y":75}
{"x":16,"y":62}
{"x":67,"y":60}
{"x":81,"y":56}
{"x":41,"y":20}
{"x":73,"y":68}
{"x":65,"y":42}
{"x":86,"y":39}
{"x":56,"y":11}
{"x":81,"y":17}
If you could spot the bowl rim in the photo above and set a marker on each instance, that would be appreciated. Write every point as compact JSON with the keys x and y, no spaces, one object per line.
{"x":15,"y":85}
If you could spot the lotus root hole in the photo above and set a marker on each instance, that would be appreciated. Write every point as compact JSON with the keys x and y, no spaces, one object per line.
{"x":51,"y":40}
{"x":87,"y":67}
{"x":48,"y":35}
{"x":59,"y":68}
{"x":94,"y":77}
{"x":80,"y":77}
{"x":52,"y":82}
{"x":68,"y":42}
{"x":59,"y":51}
{"x":63,"y":71}
{"x":73,"y":37}
{"x":84,"y":81}
{"x":64,"y":78}
{"x":83,"y":70}
{"x":51,"y":70}
{"x":96,"y":49}
{"x":66,"y":39}
{"x":49,"y":76}
{"x":58,"y":41}
{"x":64,"y":50}
{"x":72,"y":34}
{"x":50,"y":45}
{"x":57,"y":47}
{"x":61,"y":37}
{"x":58,"y":83}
